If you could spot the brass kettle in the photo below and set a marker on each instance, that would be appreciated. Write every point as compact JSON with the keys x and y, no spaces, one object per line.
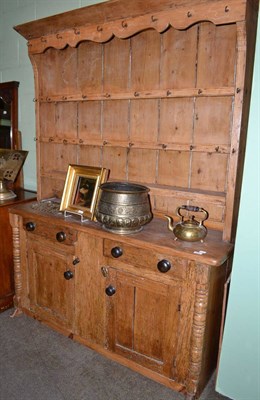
{"x":189,"y":230}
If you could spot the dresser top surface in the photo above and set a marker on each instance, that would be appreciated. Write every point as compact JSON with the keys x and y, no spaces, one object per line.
{"x":154,"y":236}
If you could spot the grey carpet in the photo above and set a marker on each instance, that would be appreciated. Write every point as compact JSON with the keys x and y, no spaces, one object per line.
{"x":37,"y":363}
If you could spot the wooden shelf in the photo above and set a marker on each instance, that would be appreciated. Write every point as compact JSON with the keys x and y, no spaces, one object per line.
{"x":221,"y":149}
{"x":139,"y":94}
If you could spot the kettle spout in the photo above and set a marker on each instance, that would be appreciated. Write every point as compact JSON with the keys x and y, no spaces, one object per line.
{"x":170,"y":222}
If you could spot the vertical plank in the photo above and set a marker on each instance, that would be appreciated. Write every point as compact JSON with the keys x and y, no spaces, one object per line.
{"x":66,"y":73}
{"x":51,"y":187}
{"x":178,"y":58}
{"x":61,"y":80}
{"x":115,"y":159}
{"x":43,"y":64}
{"x":209,"y":171}
{"x":174,"y":128}
{"x":91,"y":156}
{"x":212,"y":123}
{"x":245,"y":61}
{"x":89,"y":297}
{"x":173,"y":168}
{"x":56,"y":157}
{"x":66,"y":120}
{"x":116,"y":65}
{"x":151,"y":320}
{"x":144,"y":120}
{"x":115,"y":120}
{"x":124,"y":314}
{"x":171,"y":329}
{"x":90,"y":61}
{"x":142,"y":165}
{"x":47,"y":119}
{"x":145,"y":71}
{"x":216,"y":55}
{"x":89,"y":120}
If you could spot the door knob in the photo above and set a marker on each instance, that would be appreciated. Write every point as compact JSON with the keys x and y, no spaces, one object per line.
{"x":68,"y":275}
{"x":110,"y":290}
{"x":30,"y":226}
{"x":61,"y":236}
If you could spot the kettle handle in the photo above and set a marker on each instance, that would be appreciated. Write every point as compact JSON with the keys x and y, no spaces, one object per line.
{"x":194,"y":209}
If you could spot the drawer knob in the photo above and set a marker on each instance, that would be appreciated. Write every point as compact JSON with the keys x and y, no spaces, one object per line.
{"x":117,"y":252}
{"x":110,"y":290}
{"x":68,"y":275}
{"x":61,"y":236}
{"x":30,"y":226}
{"x":164,"y":266}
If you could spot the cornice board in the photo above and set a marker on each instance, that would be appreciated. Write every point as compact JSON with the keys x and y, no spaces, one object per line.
{"x":121,"y":18}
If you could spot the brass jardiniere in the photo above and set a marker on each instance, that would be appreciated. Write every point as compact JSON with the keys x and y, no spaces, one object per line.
{"x":123,"y":207}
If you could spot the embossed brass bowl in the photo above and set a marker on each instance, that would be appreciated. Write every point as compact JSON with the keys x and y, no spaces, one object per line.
{"x":123,"y":207}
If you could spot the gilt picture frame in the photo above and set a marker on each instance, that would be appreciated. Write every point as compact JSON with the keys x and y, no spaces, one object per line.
{"x":81,"y":190}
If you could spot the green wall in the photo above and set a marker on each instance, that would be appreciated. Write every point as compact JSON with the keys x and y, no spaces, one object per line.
{"x":239,"y":364}
{"x":15,"y":64}
{"x":239,"y":372}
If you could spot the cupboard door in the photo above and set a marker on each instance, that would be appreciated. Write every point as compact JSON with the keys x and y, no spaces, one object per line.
{"x":51,"y":294}
{"x":142,"y":320}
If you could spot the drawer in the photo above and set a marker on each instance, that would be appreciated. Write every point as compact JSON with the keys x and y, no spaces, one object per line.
{"x":138,"y":257}
{"x":55,"y":233}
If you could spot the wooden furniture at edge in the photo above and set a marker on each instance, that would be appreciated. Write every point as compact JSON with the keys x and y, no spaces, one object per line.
{"x":9,"y":93}
{"x":12,"y":136}
{"x":6,"y":248}
{"x":158,"y":92}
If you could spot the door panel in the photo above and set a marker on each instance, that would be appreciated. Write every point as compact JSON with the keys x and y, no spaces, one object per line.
{"x":51,"y":295}
{"x":143,"y":318}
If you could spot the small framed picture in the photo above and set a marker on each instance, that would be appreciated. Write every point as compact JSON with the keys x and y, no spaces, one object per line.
{"x":81,"y":189}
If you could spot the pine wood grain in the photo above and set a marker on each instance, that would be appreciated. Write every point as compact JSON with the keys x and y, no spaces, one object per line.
{"x":159,"y":94}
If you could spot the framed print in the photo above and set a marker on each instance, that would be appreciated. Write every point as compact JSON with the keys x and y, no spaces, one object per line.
{"x":81,"y":189}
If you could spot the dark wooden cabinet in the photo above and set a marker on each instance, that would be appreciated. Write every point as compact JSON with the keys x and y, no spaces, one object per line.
{"x":6,"y":261}
{"x":9,"y":135}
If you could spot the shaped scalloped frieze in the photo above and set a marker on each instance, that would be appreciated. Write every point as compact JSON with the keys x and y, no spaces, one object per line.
{"x":220,"y":12}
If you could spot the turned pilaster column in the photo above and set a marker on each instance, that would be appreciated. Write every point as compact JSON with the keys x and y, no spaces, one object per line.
{"x":14,"y":221}
{"x":198,"y":330}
